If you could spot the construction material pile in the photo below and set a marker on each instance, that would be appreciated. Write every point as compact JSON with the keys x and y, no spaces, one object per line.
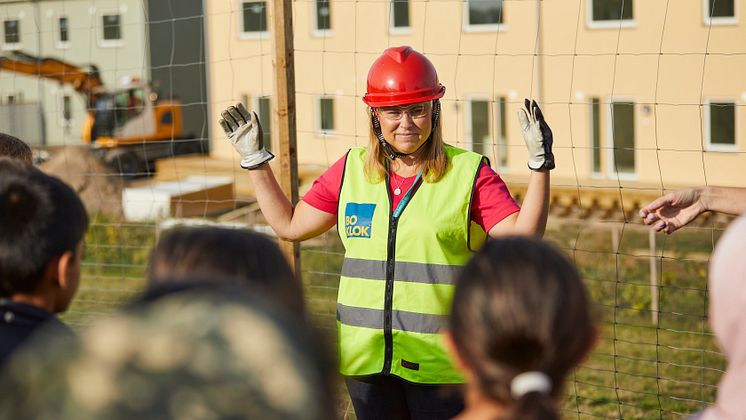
{"x":99,"y":186}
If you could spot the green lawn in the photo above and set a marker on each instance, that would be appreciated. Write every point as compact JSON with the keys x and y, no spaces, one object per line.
{"x":113,"y":268}
{"x":638,"y":369}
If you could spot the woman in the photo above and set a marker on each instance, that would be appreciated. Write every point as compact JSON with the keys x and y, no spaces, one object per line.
{"x":409,"y":210}
{"x":520,"y":323}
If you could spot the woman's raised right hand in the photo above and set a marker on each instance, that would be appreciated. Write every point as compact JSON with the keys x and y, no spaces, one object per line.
{"x":245,"y":134}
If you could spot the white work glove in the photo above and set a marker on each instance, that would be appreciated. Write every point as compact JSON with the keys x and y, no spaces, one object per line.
{"x":537,"y":135}
{"x":245,"y":133}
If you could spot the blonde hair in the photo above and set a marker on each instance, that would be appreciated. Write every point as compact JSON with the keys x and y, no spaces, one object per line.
{"x":434,"y":159}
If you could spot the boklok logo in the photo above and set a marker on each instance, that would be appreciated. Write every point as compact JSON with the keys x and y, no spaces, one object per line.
{"x":358,"y":219}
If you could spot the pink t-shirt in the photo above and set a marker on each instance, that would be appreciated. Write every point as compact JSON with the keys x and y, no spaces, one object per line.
{"x":491,"y":203}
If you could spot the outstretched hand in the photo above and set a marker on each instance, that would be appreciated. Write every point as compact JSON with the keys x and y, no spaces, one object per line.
{"x":537,"y":135}
{"x":245,"y":134}
{"x":674,"y":210}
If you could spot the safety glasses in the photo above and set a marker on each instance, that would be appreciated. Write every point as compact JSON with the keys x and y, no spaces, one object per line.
{"x":395,"y":113}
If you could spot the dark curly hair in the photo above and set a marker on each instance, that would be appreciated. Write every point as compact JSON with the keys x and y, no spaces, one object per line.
{"x":15,"y":148}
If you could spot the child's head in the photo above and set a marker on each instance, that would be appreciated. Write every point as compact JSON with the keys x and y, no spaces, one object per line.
{"x":239,"y":256}
{"x":14,"y":148}
{"x":42,"y":225}
{"x":206,"y":351}
{"x":520,"y":307}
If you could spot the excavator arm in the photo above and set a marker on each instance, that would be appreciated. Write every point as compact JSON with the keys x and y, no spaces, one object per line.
{"x":129,"y":131}
{"x":86,"y":82}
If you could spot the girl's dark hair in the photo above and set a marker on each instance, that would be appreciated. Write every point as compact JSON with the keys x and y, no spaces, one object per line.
{"x":41,"y":218}
{"x":520,"y":306}
{"x":235,"y":256}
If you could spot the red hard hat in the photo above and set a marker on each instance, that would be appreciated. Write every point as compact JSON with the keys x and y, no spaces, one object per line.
{"x":402,"y":76}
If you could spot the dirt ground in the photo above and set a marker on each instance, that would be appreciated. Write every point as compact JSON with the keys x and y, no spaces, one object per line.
{"x":99,"y":187}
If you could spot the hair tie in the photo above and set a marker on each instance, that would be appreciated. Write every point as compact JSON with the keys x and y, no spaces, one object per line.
{"x":532,"y":381}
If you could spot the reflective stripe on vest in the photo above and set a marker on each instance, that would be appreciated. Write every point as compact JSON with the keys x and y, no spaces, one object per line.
{"x":404,"y":271}
{"x":397,"y":278}
{"x":402,"y":320}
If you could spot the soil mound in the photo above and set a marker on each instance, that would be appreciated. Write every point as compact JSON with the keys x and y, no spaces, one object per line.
{"x":99,"y":187}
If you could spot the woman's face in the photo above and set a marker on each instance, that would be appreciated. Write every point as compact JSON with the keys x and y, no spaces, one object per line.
{"x":406,"y":127}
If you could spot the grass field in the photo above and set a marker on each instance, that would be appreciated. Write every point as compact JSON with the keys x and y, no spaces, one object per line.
{"x":638,"y":369}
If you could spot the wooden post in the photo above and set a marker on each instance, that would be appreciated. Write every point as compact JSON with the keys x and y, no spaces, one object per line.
{"x":285,"y":100}
{"x":653,"y":278}
{"x":614,"y":238}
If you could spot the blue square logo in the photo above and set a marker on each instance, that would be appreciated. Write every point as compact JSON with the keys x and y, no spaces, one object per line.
{"x":359,"y":219}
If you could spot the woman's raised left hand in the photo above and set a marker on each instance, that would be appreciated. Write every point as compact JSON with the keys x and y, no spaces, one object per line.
{"x":537,"y":135}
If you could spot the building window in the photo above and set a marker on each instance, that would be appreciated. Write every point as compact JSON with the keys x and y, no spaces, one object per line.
{"x":12,"y":31}
{"x":323,"y":15}
{"x":596,"y":136}
{"x":64,"y":30}
{"x":112,"y":27}
{"x":502,"y":135}
{"x":623,"y":137}
{"x":326,"y":115}
{"x":721,"y":8}
{"x":720,"y":119}
{"x":610,"y":13}
{"x":399,"y":15}
{"x":14,"y":98}
{"x":612,"y":9}
{"x":66,"y":110}
{"x":254,"y":16}
{"x":265,"y":119}
{"x":720,"y":12}
{"x":480,"y":127}
{"x":483,"y":14}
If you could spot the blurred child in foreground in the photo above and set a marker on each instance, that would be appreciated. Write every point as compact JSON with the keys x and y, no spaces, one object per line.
{"x":520,"y":323}
{"x":42,"y":227}
{"x":187,"y":349}
{"x":727,"y":307}
{"x":15,"y":148}
{"x":223,"y":255}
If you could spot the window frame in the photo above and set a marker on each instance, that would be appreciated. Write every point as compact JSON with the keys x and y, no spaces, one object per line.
{"x":12,"y":46}
{"x":719,"y":20}
{"x":318,"y":120}
{"x":482,"y":27}
{"x":267,"y":129}
{"x":709,"y":146}
{"x":61,"y":95}
{"x":17,"y":96}
{"x":400,"y":30}
{"x":316,"y":32}
{"x":501,"y":132}
{"x":243,"y":33}
{"x":468,"y":120}
{"x":591,"y":133}
{"x":59,"y":43}
{"x":110,"y":43}
{"x":610,"y":160}
{"x":608,"y":24}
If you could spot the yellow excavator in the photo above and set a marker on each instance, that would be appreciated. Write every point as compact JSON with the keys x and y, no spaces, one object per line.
{"x":128,"y":127}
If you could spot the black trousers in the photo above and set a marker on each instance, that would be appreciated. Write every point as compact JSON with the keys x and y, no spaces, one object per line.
{"x":384,"y":397}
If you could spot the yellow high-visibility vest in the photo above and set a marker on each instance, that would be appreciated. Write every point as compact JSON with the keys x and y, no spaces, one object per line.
{"x":398,"y":275}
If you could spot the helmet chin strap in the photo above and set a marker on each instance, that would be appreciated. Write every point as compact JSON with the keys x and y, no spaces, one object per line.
{"x":388,"y":148}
